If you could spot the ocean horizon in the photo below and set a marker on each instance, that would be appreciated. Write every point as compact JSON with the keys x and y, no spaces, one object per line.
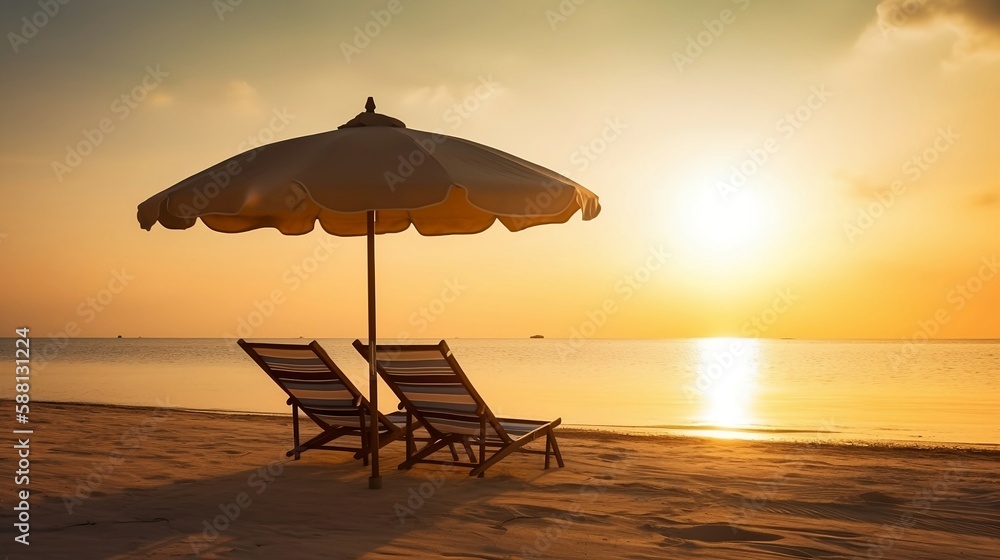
{"x":941,"y":393}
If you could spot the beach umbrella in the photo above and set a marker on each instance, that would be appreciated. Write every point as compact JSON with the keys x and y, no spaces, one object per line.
{"x":370,"y":176}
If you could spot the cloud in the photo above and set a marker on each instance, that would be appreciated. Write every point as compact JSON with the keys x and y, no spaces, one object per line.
{"x":428,"y":95}
{"x":161,"y":99}
{"x":980,"y":13}
{"x":977,"y":22}
{"x":242,"y":98}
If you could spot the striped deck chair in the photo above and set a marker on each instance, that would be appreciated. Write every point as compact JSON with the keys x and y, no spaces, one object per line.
{"x":317,"y":387}
{"x":435,"y":392}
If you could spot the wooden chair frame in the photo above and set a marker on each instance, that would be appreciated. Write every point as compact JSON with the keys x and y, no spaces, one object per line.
{"x":390,"y":432}
{"x":503,"y":443}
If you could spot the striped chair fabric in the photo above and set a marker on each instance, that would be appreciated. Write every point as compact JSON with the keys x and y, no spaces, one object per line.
{"x":319,"y":390}
{"x":430,"y":383}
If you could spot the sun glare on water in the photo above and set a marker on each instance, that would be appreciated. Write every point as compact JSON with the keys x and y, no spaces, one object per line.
{"x":727,"y":381}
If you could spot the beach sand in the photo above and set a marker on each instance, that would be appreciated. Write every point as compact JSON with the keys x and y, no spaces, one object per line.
{"x":114,"y":482}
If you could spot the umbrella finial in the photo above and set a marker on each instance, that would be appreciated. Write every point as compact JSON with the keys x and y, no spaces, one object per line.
{"x":371,"y":118}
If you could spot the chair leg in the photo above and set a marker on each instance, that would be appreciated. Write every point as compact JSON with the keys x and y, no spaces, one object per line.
{"x":514,"y":446}
{"x":548,"y":449}
{"x":555,"y":449}
{"x":409,"y":434}
{"x":365,"y":448}
{"x":454,"y":452}
{"x":482,"y":443}
{"x":500,"y":454}
{"x":295,"y":430}
{"x":468,"y":450}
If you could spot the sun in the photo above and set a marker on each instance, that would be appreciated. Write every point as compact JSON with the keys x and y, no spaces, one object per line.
{"x":724,"y":223}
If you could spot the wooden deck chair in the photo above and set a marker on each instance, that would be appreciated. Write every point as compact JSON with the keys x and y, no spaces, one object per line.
{"x":435,"y":392}
{"x":316,"y":386}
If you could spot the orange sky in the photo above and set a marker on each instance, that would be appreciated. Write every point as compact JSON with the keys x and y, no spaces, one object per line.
{"x":766,"y":168}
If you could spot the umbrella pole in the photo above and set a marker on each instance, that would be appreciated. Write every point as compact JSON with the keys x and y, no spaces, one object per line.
{"x":375,"y":482}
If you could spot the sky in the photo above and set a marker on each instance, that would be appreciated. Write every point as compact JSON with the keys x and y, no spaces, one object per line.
{"x":766,"y":168}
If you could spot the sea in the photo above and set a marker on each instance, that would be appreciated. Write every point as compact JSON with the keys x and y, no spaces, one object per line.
{"x":936,"y":393}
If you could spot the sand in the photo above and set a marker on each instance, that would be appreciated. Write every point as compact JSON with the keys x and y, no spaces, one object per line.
{"x":115,"y":482}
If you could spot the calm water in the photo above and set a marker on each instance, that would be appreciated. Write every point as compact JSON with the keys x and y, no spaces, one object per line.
{"x":940,"y":393}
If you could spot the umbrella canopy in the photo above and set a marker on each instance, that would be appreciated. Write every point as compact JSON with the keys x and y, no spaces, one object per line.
{"x":372,"y":175}
{"x":440,"y":184}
